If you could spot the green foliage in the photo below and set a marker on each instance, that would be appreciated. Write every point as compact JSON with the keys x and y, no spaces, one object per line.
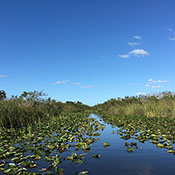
{"x":27,"y":152}
{"x":160,"y":105}
{"x":2,"y":95}
{"x":158,"y":131}
{"x":32,"y":108}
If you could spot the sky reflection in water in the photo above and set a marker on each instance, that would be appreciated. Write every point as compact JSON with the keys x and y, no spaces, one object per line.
{"x":146,"y":160}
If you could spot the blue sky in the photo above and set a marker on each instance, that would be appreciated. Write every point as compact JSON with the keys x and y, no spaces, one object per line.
{"x":87,"y":50}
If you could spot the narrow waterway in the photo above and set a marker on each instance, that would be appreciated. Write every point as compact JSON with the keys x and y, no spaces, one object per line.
{"x":145,"y":159}
{"x":124,"y":155}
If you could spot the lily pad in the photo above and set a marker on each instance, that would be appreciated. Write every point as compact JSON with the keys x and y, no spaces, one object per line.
{"x":105,"y":144}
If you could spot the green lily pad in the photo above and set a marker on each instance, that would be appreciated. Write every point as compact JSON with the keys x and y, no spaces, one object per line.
{"x":96,"y":156}
{"x":105,"y":144}
{"x":82,"y":173}
{"x":130,"y":149}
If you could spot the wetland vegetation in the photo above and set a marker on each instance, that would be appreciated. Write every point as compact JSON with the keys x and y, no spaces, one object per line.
{"x":39,"y":135}
{"x":158,"y":105}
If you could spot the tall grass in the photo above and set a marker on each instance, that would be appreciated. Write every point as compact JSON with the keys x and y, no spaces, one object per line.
{"x":29,"y":109}
{"x":14,"y":114}
{"x":161,"y":105}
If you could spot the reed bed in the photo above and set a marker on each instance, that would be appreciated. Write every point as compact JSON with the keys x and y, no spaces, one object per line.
{"x":160,"y":105}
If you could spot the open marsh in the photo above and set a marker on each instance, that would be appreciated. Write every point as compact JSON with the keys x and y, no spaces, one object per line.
{"x":90,"y":145}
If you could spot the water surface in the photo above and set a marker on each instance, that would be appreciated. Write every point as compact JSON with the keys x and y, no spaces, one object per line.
{"x":146,"y":160}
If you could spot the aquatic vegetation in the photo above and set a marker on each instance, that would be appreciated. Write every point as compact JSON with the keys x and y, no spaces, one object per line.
{"x":34,"y":130}
{"x":158,"y":131}
{"x":21,"y":153}
{"x":131,"y":146}
{"x":130,"y":149}
{"x":105,"y":144}
{"x":82,"y":173}
{"x":96,"y":156}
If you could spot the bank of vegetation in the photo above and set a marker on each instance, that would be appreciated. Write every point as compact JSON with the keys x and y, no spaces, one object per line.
{"x":38,"y":136}
{"x":31,"y":108}
{"x":159,"y":105}
{"x":146,"y":118}
{"x":35,"y":129}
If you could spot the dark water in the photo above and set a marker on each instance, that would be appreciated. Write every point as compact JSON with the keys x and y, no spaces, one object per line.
{"x":115,"y":160}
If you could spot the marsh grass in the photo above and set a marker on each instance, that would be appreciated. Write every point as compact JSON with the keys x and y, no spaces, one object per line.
{"x":30,"y":109}
{"x":162,"y":105}
{"x":15,"y":114}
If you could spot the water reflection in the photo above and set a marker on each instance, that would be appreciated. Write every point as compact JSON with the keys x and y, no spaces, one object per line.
{"x":126,"y":154}
{"x":144,"y":171}
{"x":145,"y":158}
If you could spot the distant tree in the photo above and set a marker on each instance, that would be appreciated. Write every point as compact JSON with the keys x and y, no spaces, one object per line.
{"x":32,"y":96}
{"x":78,"y":102}
{"x":2,"y":95}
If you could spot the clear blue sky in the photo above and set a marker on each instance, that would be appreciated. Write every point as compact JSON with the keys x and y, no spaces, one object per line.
{"x":87,"y":50}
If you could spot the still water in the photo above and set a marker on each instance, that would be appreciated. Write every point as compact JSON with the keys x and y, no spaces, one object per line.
{"x":115,"y":160}
{"x":146,"y":158}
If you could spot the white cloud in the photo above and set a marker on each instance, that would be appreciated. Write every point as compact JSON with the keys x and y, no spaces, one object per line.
{"x":171,"y":30}
{"x":124,"y":56}
{"x":76,"y":84}
{"x":171,"y":38}
{"x":2,"y":76}
{"x":139,"y":52}
{"x":137,"y":37}
{"x":151,"y":81}
{"x":140,"y":93}
{"x":61,"y":82}
{"x":135,"y":52}
{"x":147,"y":85}
{"x":155,"y":83}
{"x":161,"y":81}
{"x":133,"y":43}
{"x":87,"y":87}
{"x":155,"y":87}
